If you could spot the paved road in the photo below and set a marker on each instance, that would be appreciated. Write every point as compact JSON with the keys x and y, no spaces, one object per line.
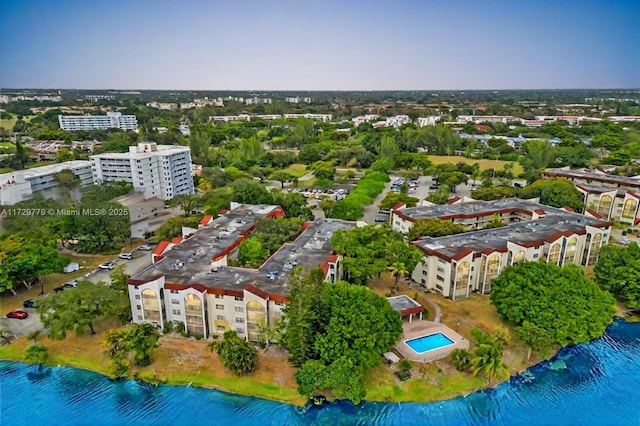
{"x":18,"y":327}
{"x":371,"y":211}
{"x":141,"y":260}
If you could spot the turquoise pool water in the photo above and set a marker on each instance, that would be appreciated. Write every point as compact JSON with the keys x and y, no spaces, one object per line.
{"x":591,"y":384}
{"x":428,"y":343}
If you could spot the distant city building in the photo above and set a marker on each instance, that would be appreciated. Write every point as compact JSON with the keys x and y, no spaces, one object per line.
{"x":94,"y":98}
{"x":363,"y":119}
{"x":486,"y":118}
{"x":398,"y":120}
{"x":319,"y":117}
{"x":427,"y":121}
{"x":257,"y":101}
{"x":162,"y":171}
{"x":5,"y":99}
{"x":47,"y":150}
{"x":22,"y":184}
{"x":113,"y":120}
{"x":297,"y":100}
{"x":168,"y":106}
{"x":228,"y":118}
{"x":191,"y":282}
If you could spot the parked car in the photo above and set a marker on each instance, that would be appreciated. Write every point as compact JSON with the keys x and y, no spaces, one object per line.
{"x":126,"y":256}
{"x":145,"y":247}
{"x":70,"y":284}
{"x":29,"y":303}
{"x":384,"y":211}
{"x":434,"y":186}
{"x":18,"y":314}
{"x":106,"y":265}
{"x":58,"y":289}
{"x":382,"y":219}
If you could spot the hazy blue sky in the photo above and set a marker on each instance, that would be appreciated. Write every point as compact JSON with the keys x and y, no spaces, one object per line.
{"x":316,"y":45}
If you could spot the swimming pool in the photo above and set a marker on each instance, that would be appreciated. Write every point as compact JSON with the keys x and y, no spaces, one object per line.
{"x":428,"y":343}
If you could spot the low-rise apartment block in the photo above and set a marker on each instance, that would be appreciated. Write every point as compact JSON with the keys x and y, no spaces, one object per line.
{"x":427,"y":121}
{"x":113,"y":120}
{"x":95,"y":98}
{"x":22,"y":184}
{"x":168,"y":106}
{"x":257,"y":101}
{"x":297,"y":100}
{"x":457,"y":265}
{"x":312,"y":116}
{"x":364,"y":119}
{"x":162,"y":171}
{"x":610,"y":203}
{"x":190,"y":281}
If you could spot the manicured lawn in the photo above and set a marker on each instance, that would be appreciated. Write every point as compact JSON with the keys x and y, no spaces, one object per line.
{"x":484,"y":164}
{"x":6,"y":144}
{"x":429,"y":382}
{"x":6,"y":170}
{"x":297,"y":170}
{"x":8,"y":124}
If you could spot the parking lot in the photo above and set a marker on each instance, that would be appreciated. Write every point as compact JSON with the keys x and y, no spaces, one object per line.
{"x":20,"y":327}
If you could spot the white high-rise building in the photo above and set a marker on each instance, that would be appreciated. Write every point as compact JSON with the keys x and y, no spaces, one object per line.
{"x":162,"y":171}
{"x":113,"y":120}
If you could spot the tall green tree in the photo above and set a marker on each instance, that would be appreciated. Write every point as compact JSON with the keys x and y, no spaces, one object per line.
{"x":556,"y":192}
{"x":200,"y":144}
{"x":304,"y":315}
{"x":359,"y":326}
{"x":77,"y":310}
{"x":559,"y":300}
{"x":618,"y":271}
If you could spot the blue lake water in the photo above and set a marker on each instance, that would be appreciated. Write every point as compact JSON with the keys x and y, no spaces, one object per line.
{"x":429,"y":343}
{"x":591,"y":384}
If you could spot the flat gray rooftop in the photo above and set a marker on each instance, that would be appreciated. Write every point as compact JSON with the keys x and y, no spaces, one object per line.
{"x":402,"y":302}
{"x":521,"y":233}
{"x":600,"y":189}
{"x":601,"y":177}
{"x":190,"y":261}
{"x":473,"y":208}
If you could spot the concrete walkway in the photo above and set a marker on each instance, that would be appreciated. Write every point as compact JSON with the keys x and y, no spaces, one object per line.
{"x":432,"y":305}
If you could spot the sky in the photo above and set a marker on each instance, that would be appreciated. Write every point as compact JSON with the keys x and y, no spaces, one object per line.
{"x":320,"y":44}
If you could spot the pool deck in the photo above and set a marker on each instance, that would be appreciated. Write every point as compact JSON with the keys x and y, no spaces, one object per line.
{"x":426,"y":328}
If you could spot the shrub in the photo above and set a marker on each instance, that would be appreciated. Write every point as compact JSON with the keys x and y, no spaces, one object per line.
{"x":405,"y":365}
{"x":461,"y":359}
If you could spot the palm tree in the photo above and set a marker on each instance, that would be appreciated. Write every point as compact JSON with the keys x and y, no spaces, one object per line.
{"x":398,"y":269}
{"x":488,"y":359}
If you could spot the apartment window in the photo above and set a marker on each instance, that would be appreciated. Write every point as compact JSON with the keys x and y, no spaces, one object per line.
{"x":174,"y":291}
{"x":138,"y":307}
{"x":137,"y":297}
{"x":175,"y":301}
{"x":240,"y":330}
{"x":221,"y":328}
{"x":176,"y":312}
{"x":440,"y":269}
{"x":219,"y":306}
{"x":219,"y":296}
{"x":440,"y":278}
{"x":239,"y":299}
{"x":240,"y":320}
{"x":239,"y":309}
{"x":221,"y":318}
{"x":139,"y":317}
{"x":279,"y":304}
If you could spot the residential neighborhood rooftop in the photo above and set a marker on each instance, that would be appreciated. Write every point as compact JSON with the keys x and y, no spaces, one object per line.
{"x":526,"y":234}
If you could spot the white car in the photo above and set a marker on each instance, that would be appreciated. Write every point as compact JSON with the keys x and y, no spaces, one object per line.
{"x":126,"y":256}
{"x":106,"y":265}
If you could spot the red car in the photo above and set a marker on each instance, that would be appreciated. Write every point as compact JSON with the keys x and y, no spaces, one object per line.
{"x":17,"y":314}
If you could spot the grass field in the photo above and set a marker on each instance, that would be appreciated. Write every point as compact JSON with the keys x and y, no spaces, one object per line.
{"x":6,"y":144}
{"x":8,"y":124}
{"x":297,"y":170}
{"x":484,"y":164}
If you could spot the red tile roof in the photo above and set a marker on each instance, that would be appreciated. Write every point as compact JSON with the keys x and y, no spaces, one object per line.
{"x":161,"y":247}
{"x":206,"y":219}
